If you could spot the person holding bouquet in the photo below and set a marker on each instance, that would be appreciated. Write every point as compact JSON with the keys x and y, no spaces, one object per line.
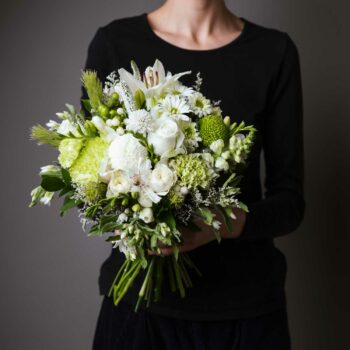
{"x":238,"y":301}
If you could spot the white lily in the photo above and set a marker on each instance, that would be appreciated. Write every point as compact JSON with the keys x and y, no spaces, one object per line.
{"x":153,"y":81}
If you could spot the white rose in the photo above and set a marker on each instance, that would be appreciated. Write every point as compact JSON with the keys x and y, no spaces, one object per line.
{"x":146,"y":214}
{"x":162,"y":179}
{"x":119,"y":183}
{"x":166,"y":136}
{"x":126,"y":152}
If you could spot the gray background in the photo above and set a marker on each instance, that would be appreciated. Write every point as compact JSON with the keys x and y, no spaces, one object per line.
{"x":48,"y":296}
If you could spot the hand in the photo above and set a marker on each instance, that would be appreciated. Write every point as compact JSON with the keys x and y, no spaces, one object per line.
{"x":195,"y":239}
{"x":238,"y":223}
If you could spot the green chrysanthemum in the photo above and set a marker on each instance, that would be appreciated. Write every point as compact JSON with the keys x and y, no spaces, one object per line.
{"x":192,"y":171}
{"x":86,"y":167}
{"x":69,"y":151}
{"x":212,"y":128}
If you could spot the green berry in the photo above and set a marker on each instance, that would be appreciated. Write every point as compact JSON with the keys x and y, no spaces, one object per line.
{"x":136,"y":207}
{"x":103,"y":111}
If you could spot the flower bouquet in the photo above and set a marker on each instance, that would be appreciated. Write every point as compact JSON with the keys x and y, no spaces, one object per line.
{"x":145,"y":156}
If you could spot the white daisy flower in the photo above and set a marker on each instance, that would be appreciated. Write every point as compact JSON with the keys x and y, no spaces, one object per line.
{"x":175,"y":107}
{"x":139,"y":121}
{"x":179,"y":89}
{"x":200,"y":105}
{"x":191,"y":135}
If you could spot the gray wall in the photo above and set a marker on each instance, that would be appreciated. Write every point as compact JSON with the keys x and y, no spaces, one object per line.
{"x":48,"y":296}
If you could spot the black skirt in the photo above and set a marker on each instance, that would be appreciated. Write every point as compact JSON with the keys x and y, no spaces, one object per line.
{"x":120,"y":328}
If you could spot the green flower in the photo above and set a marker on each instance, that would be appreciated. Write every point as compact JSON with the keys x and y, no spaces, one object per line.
{"x":212,"y":128}
{"x":69,"y":151}
{"x":192,"y":171}
{"x":176,"y":198}
{"x":86,"y":167}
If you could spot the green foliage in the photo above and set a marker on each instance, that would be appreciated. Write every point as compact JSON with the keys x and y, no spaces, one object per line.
{"x":140,"y":98}
{"x":44,"y":136}
{"x":93,"y":87}
{"x":52,"y":183}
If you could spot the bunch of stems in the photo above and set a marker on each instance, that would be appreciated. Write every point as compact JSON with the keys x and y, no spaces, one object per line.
{"x":176,"y":269}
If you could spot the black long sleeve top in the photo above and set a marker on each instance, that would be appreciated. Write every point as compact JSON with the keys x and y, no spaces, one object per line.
{"x":257,"y":79}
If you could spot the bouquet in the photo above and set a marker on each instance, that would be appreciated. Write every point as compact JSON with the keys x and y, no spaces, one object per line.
{"x":146,"y":156}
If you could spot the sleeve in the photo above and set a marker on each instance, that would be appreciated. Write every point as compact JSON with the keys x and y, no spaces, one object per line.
{"x":100,"y":58}
{"x":282,"y":209}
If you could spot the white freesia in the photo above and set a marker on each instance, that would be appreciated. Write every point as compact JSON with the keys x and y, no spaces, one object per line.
{"x":126,"y":152}
{"x":167,"y":138}
{"x":119,"y":183}
{"x":153,"y":81}
{"x":162,"y":179}
{"x":146,"y":214}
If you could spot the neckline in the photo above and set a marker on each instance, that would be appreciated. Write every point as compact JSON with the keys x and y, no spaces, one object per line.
{"x":221,"y":48}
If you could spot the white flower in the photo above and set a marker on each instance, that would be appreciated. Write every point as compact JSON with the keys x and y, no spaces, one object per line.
{"x":217,"y":146}
{"x":191,"y":135}
{"x":146,"y":214}
{"x":105,"y":131}
{"x":50,"y":170}
{"x":113,"y":122}
{"x":46,"y":199}
{"x":122,"y":218}
{"x":126,"y":152}
{"x":66,"y":127}
{"x":200,"y":105}
{"x":179,"y":89}
{"x":216,"y":224}
{"x":167,"y":138}
{"x":139,"y":121}
{"x":162,"y":179}
{"x":52,"y":125}
{"x":153,"y":80}
{"x":119,"y":183}
{"x":221,"y":164}
{"x":175,"y":107}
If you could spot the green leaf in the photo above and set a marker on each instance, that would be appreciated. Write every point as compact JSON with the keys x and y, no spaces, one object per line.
{"x":65,"y":190}
{"x":140,"y":98}
{"x":207,"y":215}
{"x":228,"y":220}
{"x":51,"y":183}
{"x":168,"y":218}
{"x":243,"y":206}
{"x":69,"y":203}
{"x":66,"y":176}
{"x":86,"y":103}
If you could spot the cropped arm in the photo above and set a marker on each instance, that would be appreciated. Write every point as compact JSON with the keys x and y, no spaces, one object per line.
{"x":282,"y":209}
{"x":100,"y":58}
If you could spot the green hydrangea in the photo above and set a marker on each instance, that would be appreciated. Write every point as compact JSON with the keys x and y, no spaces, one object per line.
{"x":69,"y":151}
{"x":86,"y":167}
{"x":192,"y":171}
{"x":212,"y":128}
